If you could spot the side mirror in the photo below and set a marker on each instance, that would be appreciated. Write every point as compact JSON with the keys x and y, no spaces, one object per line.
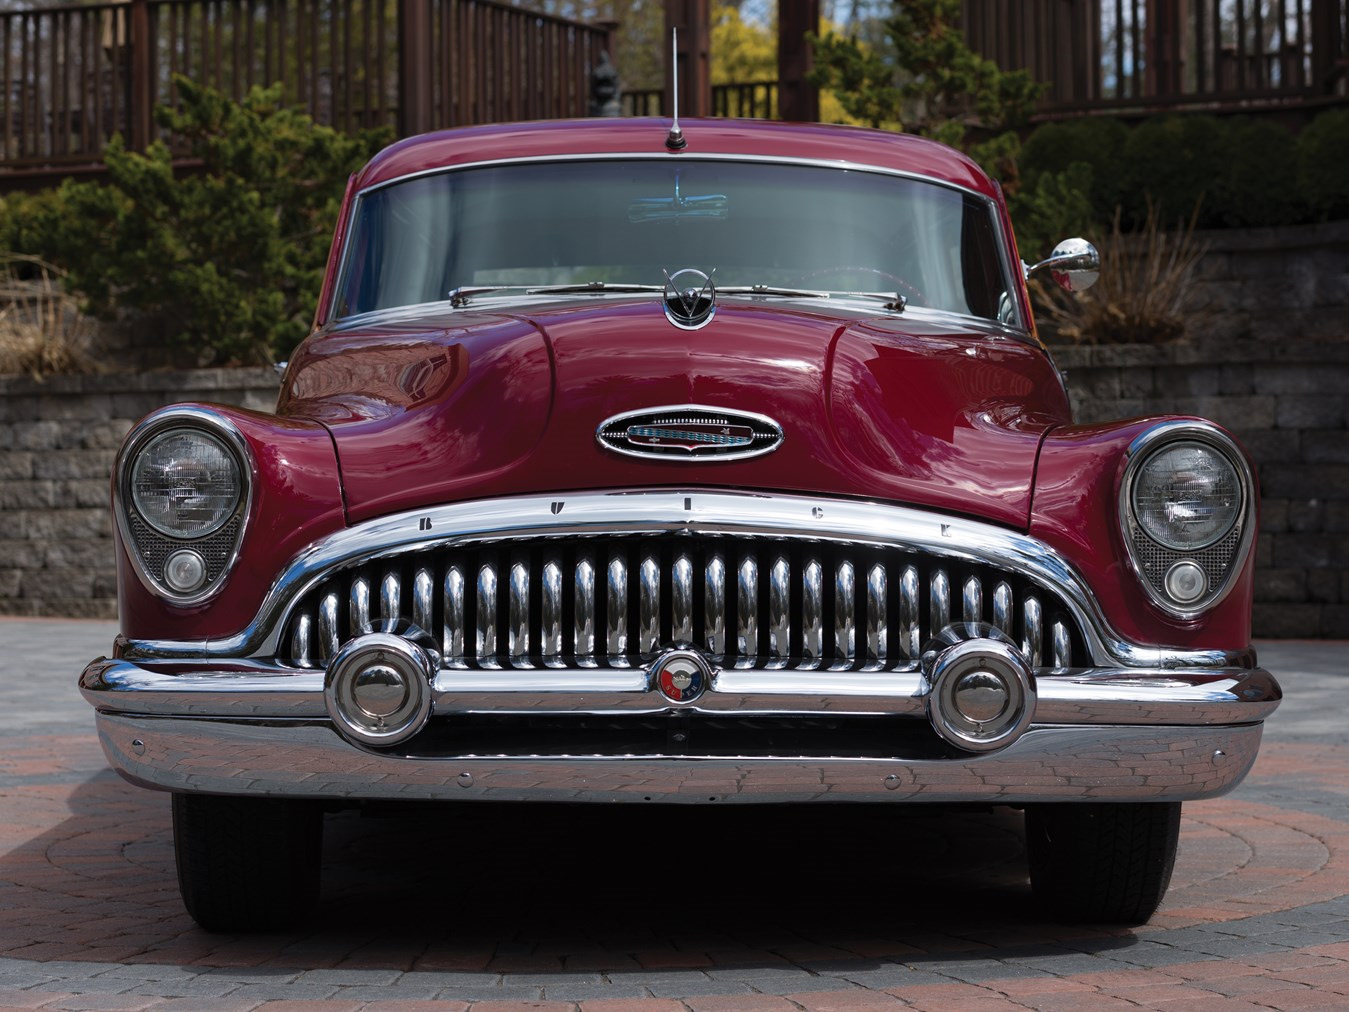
{"x":1074,"y":265}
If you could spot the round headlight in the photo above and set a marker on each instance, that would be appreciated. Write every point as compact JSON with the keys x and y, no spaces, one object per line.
{"x":1187,"y":495}
{"x":185,"y":483}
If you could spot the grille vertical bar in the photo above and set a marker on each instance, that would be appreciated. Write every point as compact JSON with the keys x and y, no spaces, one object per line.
{"x":648,"y":609}
{"x":779,"y":614}
{"x":940,"y":604}
{"x":423,"y":590}
{"x":909,"y":621}
{"x":681,"y":603}
{"x":360,"y":606}
{"x":452,"y":633}
{"x":551,"y":615}
{"x":878,"y":649}
{"x":714,"y":607}
{"x":845,"y":616}
{"x":390,"y":601}
{"x":616,"y":625}
{"x":518,"y":616}
{"x":583,"y":627}
{"x":747,"y":612}
{"x":485,"y":639}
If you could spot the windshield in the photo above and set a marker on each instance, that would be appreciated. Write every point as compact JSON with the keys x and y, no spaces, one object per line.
{"x":617,"y":222}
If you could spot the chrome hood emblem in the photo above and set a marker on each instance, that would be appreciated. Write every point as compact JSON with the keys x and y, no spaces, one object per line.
{"x":690,"y":432}
{"x":690,"y":298}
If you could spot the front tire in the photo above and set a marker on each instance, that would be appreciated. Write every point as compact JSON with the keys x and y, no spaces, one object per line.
{"x":1103,"y":863}
{"x":247,"y":864}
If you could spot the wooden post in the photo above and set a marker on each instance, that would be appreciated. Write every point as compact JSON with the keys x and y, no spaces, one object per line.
{"x":693,"y":19}
{"x":798,"y":99}
{"x":414,"y":67}
{"x":141,"y":113}
{"x":1326,"y":46}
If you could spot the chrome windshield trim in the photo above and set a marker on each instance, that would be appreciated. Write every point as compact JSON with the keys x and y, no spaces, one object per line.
{"x":667,"y":511}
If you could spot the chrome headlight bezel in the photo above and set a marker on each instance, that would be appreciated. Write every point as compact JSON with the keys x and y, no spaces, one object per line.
{"x":150,"y":544}
{"x":1169,"y":569}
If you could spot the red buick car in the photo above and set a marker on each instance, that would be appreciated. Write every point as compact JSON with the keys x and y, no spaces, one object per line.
{"x":719,"y":464}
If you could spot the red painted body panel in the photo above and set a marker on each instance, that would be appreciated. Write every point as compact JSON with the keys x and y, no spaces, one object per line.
{"x":296,"y":499}
{"x":1074,"y":512}
{"x":922,"y":412}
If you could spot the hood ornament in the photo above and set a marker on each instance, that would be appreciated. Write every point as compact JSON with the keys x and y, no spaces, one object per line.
{"x":692,"y":432}
{"x":690,"y":298}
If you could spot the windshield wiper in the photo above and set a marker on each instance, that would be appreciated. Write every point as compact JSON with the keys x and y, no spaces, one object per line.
{"x":459,"y":296}
{"x":891,"y":300}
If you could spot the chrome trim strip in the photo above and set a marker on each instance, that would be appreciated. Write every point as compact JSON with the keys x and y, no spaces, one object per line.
{"x":1071,"y":696}
{"x":1134,"y":764}
{"x":739,"y":514}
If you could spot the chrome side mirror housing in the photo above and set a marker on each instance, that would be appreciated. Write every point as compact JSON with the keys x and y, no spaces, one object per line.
{"x":1074,"y":265}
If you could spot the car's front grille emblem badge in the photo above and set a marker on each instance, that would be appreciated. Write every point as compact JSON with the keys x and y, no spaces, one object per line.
{"x":690,"y":298}
{"x":690,"y":432}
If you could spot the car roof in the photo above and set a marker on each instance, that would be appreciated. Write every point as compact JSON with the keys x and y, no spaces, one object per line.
{"x":882,"y":149}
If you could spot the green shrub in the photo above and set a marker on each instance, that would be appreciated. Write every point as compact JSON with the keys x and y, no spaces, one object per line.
{"x":1322,"y":156}
{"x":1097,"y":142}
{"x":1171,"y":163}
{"x":227,"y":257}
{"x":1258,"y":181}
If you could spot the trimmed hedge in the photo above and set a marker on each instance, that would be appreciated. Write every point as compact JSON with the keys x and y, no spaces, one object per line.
{"x":1228,"y":172}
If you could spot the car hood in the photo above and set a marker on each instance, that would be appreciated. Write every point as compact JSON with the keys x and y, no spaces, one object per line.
{"x":437,"y":407}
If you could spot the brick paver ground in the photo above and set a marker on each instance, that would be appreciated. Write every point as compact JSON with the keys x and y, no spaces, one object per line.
{"x":709,"y":910}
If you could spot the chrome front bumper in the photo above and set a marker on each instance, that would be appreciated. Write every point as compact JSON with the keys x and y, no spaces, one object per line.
{"x":1120,"y":734}
{"x":249,"y":714}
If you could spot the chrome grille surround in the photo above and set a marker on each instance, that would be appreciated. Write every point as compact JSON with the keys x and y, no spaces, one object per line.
{"x":755,"y":621}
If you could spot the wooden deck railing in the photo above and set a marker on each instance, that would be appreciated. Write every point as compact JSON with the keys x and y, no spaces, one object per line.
{"x":1151,"y":55}
{"x":72,"y":76}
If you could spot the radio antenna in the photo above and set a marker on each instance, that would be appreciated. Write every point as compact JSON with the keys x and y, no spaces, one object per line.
{"x":674,"y":140}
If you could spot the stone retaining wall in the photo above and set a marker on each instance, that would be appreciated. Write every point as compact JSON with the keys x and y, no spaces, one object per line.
{"x":58,"y":438}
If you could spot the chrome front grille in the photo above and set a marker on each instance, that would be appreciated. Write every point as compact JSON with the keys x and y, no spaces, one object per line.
{"x":617,"y":602}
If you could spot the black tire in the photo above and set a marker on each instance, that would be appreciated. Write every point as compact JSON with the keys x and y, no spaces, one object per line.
{"x":1103,"y":863}
{"x":247,"y":864}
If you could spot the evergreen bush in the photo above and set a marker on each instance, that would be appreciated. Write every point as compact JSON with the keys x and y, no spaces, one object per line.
{"x":226,"y":255}
{"x":1322,"y":157}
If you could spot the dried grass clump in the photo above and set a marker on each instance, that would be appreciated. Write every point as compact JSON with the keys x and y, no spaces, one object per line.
{"x":1143,"y":295}
{"x":42,"y":331}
